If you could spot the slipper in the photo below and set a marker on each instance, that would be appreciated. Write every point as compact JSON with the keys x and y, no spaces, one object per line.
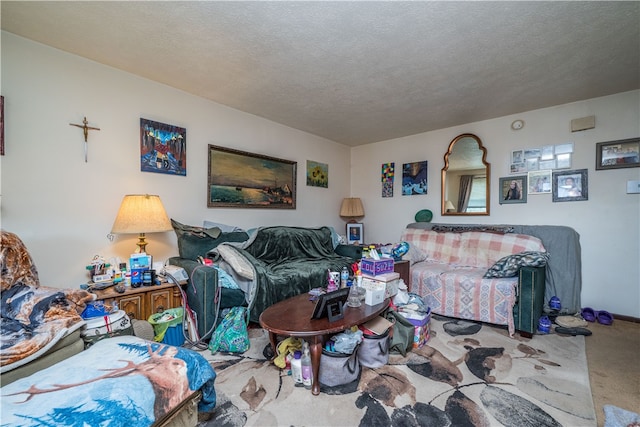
{"x":604,"y":317}
{"x":570,"y":321}
{"x":572,"y":331}
{"x":588,"y":314}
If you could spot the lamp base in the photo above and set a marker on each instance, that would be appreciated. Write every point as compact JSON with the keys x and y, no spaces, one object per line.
{"x":142,"y":244}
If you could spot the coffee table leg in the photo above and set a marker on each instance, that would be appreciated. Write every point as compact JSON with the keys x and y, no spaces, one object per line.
{"x":315,"y":350}
{"x":272,"y":339}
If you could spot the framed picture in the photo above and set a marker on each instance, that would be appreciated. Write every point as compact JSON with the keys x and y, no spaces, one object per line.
{"x":163,"y":148}
{"x":624,"y":153}
{"x":570,"y":186}
{"x":246,"y":180}
{"x":355,"y":233}
{"x":414,"y":178}
{"x":513,"y":189}
{"x":317,"y":174}
{"x":539,"y":182}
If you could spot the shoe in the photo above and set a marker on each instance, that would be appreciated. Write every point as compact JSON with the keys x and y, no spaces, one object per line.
{"x":588,"y":314}
{"x":572,"y":331}
{"x":570,"y":322}
{"x":604,"y":317}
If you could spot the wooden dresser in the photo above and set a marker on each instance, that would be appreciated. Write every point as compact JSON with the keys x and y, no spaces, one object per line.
{"x":140,"y":303}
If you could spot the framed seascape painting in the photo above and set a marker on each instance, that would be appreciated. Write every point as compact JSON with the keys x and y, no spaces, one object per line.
{"x":163,"y":148}
{"x":246,"y":180}
{"x":624,"y":153}
{"x":570,"y":186}
{"x":513,"y":189}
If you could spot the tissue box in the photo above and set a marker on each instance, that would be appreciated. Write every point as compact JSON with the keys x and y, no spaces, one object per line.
{"x":389,"y":280}
{"x":375,"y":267}
{"x":374,"y":293}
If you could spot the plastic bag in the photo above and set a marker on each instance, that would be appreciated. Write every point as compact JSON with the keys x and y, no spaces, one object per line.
{"x":231,"y":335}
{"x":162,"y":321}
{"x":347,"y":341}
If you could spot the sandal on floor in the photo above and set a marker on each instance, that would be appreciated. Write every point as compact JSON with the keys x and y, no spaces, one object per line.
{"x":588,"y":314}
{"x":572,"y":331}
{"x":604,"y":317}
{"x":570,"y":322}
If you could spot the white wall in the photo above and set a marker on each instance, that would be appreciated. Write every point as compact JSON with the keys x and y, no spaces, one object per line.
{"x":608,"y":223}
{"x":63,"y":208}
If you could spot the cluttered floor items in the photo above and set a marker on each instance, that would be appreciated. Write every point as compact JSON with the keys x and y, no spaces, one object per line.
{"x":465,"y":374}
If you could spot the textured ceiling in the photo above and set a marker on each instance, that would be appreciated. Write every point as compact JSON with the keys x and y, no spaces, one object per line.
{"x":356,"y":72}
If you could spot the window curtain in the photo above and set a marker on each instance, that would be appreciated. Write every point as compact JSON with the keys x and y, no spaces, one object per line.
{"x":465,"y":192}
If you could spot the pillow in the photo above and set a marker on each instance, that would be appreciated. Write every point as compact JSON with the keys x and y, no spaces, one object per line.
{"x":223,"y":227}
{"x":508,"y":266}
{"x":239,"y":264}
{"x":194,"y":242}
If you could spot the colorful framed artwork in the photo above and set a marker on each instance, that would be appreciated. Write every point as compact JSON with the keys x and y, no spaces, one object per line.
{"x":163,"y":148}
{"x":539,"y":182}
{"x":241,"y":179}
{"x":414,"y":178}
{"x":355,"y":233}
{"x":513,"y":189}
{"x":624,"y":153}
{"x":570,"y":186}
{"x":387,"y":177}
{"x":317,"y":174}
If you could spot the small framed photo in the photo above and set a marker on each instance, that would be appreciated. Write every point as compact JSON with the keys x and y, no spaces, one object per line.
{"x":539,"y":182}
{"x":355,"y":233}
{"x":513,"y":189}
{"x":570,"y":186}
{"x":624,"y":153}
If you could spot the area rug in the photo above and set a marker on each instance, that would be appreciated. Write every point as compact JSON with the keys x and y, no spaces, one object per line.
{"x":467,"y":374}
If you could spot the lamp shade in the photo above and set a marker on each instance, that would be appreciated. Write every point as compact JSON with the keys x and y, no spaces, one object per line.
{"x":141,"y":213}
{"x":448,"y":206}
{"x":351,"y":207}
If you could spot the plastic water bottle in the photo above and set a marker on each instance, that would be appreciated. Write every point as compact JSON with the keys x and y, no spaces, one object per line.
{"x":344,"y":277}
{"x":296,"y":368}
{"x":305,"y":362}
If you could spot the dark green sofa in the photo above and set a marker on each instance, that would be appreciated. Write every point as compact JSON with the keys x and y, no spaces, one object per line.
{"x":271,"y":265}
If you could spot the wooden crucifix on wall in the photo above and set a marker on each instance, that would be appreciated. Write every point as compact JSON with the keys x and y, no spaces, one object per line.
{"x":85,"y":128}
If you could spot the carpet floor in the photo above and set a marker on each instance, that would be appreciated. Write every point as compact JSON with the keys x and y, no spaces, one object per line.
{"x":467,"y":374}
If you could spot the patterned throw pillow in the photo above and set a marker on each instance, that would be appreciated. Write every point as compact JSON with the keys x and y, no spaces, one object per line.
{"x":509,"y":265}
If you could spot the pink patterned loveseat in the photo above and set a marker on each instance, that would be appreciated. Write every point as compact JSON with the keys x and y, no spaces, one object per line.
{"x":452,"y":272}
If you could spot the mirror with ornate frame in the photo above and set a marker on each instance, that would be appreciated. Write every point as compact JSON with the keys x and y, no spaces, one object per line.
{"x":465,"y":177}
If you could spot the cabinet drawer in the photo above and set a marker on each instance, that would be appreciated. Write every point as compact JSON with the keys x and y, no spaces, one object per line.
{"x":159,"y":301}
{"x":132,"y":305}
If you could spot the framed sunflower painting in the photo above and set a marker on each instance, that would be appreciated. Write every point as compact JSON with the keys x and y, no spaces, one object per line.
{"x":317,"y":174}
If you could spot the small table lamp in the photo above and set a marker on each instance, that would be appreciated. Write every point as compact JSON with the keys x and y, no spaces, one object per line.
{"x":448,"y":206}
{"x":141,"y":213}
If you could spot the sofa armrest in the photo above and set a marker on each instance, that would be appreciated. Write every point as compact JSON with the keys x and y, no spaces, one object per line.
{"x":351,"y":251}
{"x":530,"y":302}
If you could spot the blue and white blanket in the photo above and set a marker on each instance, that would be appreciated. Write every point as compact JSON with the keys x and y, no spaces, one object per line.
{"x":120,"y":381}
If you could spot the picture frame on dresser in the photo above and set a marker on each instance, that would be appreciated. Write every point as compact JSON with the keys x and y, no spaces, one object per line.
{"x":355,"y":233}
{"x":624,"y":153}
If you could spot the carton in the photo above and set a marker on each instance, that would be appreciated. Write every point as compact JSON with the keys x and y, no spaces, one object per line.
{"x":375,"y":267}
{"x":389,"y":280}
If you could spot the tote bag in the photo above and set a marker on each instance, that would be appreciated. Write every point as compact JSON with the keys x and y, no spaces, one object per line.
{"x":231,"y":335}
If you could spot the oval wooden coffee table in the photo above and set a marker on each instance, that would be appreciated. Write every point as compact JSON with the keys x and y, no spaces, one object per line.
{"x":292,"y":318}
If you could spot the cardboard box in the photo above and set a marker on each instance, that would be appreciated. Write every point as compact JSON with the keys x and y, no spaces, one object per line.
{"x":375,"y":267}
{"x":374,"y":293}
{"x":421,"y":331}
{"x":389,"y":280}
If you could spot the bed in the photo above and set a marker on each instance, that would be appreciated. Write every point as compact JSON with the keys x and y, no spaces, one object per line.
{"x":123,"y":380}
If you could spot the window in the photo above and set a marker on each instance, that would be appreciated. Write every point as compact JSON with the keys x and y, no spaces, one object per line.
{"x":478,"y":196}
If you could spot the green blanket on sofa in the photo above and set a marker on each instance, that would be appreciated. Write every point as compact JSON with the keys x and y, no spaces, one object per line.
{"x":281,"y":262}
